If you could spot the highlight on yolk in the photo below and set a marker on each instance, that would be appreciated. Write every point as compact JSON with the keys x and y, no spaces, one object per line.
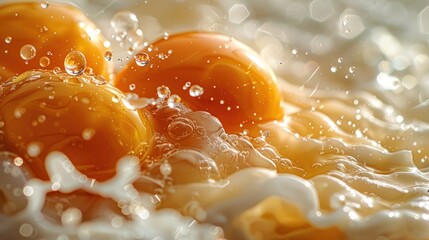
{"x":210,"y":72}
{"x":82,"y":116}
{"x":39,"y":36}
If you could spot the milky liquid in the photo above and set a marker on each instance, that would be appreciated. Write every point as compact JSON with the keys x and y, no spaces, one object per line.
{"x":326,"y":175}
{"x":355,"y":163}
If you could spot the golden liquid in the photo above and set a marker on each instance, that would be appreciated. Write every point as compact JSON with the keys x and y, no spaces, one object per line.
{"x":347,"y":161}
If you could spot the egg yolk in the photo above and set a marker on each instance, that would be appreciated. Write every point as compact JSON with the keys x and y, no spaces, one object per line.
{"x":39,"y":36}
{"x":210,"y":72}
{"x":82,"y":116}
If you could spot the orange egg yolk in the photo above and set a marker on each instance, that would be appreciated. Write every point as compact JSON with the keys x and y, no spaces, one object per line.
{"x":33,"y":37}
{"x":238,"y":87}
{"x":82,"y":116}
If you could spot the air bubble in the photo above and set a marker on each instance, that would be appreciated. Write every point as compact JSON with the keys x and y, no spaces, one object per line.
{"x":28,"y":191}
{"x":26,"y":230}
{"x":352,"y":69}
{"x":8,"y":40}
{"x":44,"y":4}
{"x":19,"y":112}
{"x":173,"y":100}
{"x":124,"y":22}
{"x":88,"y":133}
{"x":196,"y":91}
{"x":187,"y":85}
{"x":89,"y":71}
{"x":41,"y":118}
{"x":115,"y":99}
{"x":166,"y":35}
{"x":163,"y":91}
{"x":132,"y":86}
{"x":34,"y":149}
{"x":165,"y":169}
{"x":27,"y":52}
{"x":108,"y":55}
{"x":180,"y":128}
{"x":18,"y":161}
{"x":44,"y":61}
{"x":75,"y":63}
{"x":71,"y":217}
{"x":142,"y":59}
{"x":333,"y":69}
{"x":116,"y":222}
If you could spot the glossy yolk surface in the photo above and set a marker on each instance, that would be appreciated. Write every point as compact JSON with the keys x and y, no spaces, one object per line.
{"x":53,"y":31}
{"x":83,"y":117}
{"x":239,"y":88}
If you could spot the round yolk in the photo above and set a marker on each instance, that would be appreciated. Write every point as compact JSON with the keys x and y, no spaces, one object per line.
{"x":239,"y":88}
{"x":33,"y":37}
{"x":83,"y":117}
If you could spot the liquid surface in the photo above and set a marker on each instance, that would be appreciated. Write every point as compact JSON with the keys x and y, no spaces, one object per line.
{"x":347,"y":161}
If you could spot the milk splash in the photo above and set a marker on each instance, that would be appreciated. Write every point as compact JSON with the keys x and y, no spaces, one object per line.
{"x":142,"y":221}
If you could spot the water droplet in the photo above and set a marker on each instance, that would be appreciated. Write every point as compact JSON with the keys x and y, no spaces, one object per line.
{"x":352,"y":69}
{"x":163,"y":91}
{"x":196,"y":91}
{"x":34,"y":149}
{"x":132,"y":86}
{"x":19,"y":112}
{"x":41,"y":118}
{"x":89,"y":71}
{"x":71,"y":217}
{"x":44,"y":4}
{"x":333,"y":69}
{"x":108,"y":55}
{"x":28,"y":191}
{"x":18,"y":161}
{"x":124,"y":21}
{"x":28,"y":52}
{"x":75,"y":63}
{"x":8,"y":40}
{"x":44,"y":61}
{"x":88,"y":133}
{"x":165,"y":169}
{"x":142,"y":59}
{"x":340,"y":60}
{"x":187,"y":85}
{"x":173,"y":100}
{"x":166,"y":35}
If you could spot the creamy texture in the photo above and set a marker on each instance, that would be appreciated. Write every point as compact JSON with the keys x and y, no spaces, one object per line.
{"x":349,"y":161}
